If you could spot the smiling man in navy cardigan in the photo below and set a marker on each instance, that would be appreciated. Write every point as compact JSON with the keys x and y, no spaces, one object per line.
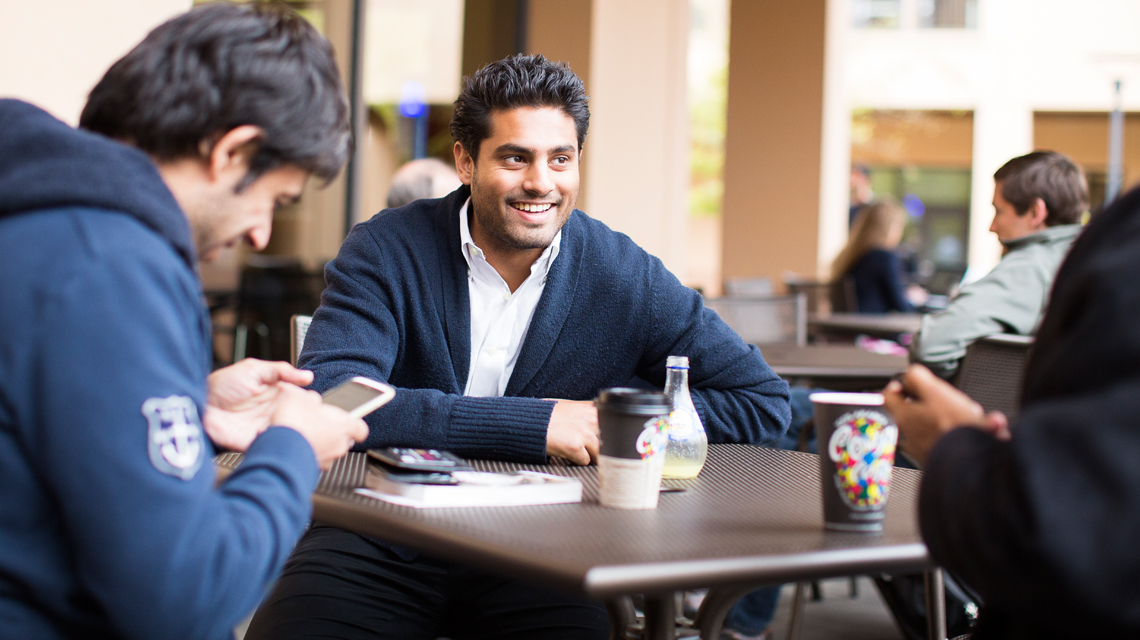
{"x":499,"y":312}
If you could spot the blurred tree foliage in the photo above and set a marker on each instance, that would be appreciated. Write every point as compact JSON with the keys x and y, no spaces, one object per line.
{"x":707,"y":114}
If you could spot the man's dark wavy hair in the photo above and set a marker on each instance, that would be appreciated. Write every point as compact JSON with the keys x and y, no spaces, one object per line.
{"x":1048,"y":175}
{"x":517,"y":81}
{"x":220,"y":66}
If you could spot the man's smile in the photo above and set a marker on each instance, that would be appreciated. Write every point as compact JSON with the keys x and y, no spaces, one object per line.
{"x":540,"y":207}
{"x":534,"y":212}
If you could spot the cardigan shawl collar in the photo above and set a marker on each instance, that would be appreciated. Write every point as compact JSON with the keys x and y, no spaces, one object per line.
{"x":549,"y":316}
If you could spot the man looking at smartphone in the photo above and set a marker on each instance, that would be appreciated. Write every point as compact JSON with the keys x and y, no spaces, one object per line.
{"x":499,"y":312}
{"x":109,"y":519}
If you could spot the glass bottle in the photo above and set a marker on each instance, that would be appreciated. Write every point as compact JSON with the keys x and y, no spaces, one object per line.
{"x":688,"y":443}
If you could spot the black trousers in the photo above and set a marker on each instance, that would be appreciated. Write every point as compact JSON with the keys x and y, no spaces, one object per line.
{"x":341,"y":585}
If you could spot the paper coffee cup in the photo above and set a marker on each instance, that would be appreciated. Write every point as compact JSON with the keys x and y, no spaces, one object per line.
{"x":634,"y":433}
{"x":856,"y":438}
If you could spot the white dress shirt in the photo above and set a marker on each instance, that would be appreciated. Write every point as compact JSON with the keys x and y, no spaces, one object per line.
{"x":499,"y":318}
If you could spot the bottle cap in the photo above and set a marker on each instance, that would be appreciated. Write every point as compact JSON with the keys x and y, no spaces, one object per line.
{"x":677,"y":362}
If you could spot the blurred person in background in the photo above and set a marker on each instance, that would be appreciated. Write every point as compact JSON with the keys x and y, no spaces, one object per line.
{"x":423,"y":178}
{"x":861,"y":193}
{"x":869,"y":258}
{"x":1038,"y":201}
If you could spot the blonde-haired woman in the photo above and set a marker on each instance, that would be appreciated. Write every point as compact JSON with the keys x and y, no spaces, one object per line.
{"x":869,"y":258}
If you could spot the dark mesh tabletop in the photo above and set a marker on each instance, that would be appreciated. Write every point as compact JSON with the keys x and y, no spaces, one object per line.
{"x":754,"y":515}
{"x":877,"y":324}
{"x":830,"y":361}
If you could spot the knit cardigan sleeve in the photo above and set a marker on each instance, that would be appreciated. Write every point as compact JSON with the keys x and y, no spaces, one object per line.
{"x":379,"y":319}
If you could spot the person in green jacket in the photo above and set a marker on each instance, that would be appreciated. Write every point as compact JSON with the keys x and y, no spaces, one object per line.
{"x":1038,"y":202}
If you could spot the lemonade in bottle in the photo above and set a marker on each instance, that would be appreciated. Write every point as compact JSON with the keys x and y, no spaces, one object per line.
{"x":688,"y":443}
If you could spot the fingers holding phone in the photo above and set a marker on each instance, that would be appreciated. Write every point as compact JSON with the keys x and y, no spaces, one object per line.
{"x":330,"y":430}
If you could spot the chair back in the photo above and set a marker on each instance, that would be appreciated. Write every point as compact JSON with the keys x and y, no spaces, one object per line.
{"x":273,"y":289}
{"x":817,"y":292}
{"x":298,"y":327}
{"x":825,"y":297}
{"x":992,"y":371}
{"x":843,"y":297}
{"x":764,"y":320}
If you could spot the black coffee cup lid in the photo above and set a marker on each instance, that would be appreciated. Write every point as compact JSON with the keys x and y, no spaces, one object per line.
{"x":630,"y":397}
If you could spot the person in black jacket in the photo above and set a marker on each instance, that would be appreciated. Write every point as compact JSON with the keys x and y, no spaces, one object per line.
{"x":1042,"y":517}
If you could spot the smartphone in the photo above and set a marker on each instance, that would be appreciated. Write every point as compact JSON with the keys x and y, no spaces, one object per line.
{"x":424,"y":460}
{"x":359,"y":396}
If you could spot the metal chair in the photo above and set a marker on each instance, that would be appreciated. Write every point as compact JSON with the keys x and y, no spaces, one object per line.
{"x":843,"y":296}
{"x":298,"y":327}
{"x":272,"y":289}
{"x":825,"y":297}
{"x":992,"y":371}
{"x":764,"y":320}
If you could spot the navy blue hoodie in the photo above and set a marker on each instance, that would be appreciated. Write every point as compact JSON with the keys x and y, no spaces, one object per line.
{"x":110,"y":524}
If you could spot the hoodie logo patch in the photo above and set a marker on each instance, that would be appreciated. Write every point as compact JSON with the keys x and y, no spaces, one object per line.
{"x":174,"y":439}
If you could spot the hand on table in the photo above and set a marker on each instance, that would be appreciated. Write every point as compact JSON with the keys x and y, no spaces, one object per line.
{"x":330,"y":430}
{"x":926,"y":407}
{"x":242,"y":397}
{"x":573,"y":431}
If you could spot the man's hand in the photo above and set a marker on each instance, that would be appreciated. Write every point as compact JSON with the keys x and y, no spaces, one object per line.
{"x":242,"y":398}
{"x":330,"y":430}
{"x":573,"y":431}
{"x":926,"y":407}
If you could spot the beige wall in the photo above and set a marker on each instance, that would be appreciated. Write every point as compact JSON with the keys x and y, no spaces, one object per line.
{"x":54,"y":51}
{"x":560,"y":31}
{"x":773,"y":143}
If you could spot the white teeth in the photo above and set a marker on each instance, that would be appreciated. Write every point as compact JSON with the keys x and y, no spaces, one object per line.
{"x":533,"y":208}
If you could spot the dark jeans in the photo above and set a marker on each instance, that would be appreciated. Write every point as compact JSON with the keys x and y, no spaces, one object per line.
{"x":341,"y":585}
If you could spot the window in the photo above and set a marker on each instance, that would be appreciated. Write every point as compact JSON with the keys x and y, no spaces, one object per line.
{"x":948,"y":14}
{"x":876,"y":14}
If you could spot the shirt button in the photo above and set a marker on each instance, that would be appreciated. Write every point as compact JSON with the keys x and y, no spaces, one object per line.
{"x":507,"y":297}
{"x":492,"y":351}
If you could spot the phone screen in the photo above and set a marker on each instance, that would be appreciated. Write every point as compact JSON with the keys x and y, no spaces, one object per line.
{"x":359,"y":399}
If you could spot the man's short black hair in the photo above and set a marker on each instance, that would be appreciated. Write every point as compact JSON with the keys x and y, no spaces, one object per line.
{"x":517,"y":81}
{"x":220,"y":66}
{"x":1048,"y":175}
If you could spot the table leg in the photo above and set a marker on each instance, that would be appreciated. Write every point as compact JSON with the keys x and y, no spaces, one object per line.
{"x":935,"y":605}
{"x":717,"y":602}
{"x":622,"y":615}
{"x":796,"y":621}
{"x":660,"y":617}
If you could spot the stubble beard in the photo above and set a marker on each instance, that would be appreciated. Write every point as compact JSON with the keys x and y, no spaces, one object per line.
{"x":493,"y":217}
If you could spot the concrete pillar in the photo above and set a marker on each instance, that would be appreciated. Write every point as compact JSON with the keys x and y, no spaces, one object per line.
{"x":781,"y":99}
{"x":631,"y":55}
{"x":637,"y":150}
{"x":560,"y":31}
{"x":1003,"y":129}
